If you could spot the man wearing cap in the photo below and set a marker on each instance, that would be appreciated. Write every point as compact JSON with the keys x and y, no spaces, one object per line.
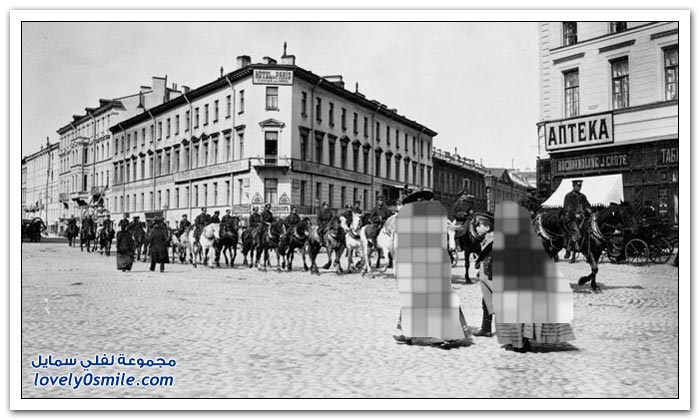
{"x":461,"y":208}
{"x":200,"y":222}
{"x":215,"y":218}
{"x":577,"y":205}
{"x":292,"y":219}
{"x":255,"y":219}
{"x":377,"y":217}
{"x":323,"y":217}
{"x":107,"y":223}
{"x":227,"y":217}
{"x":183,"y":226}
{"x":124,"y":223}
{"x":266,"y":215}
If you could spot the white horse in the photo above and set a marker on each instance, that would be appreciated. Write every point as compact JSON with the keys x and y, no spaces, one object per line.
{"x":192,"y":248}
{"x":353,"y":241}
{"x":207,"y":241}
{"x":385,"y":244}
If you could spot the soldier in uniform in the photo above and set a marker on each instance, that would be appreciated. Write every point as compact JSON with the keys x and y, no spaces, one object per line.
{"x":292,"y":219}
{"x":124,"y":223}
{"x":183,"y":226}
{"x":577,"y":205}
{"x":215,"y":218}
{"x":266,"y":215}
{"x":200,"y":222}
{"x":72,"y":221}
{"x":255,"y":219}
{"x":377,"y":217}
{"x":227,"y":217}
{"x":461,"y":209}
{"x":323,"y":217}
{"x":107,"y":223}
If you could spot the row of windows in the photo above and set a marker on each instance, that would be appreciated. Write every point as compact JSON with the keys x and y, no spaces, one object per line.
{"x":620,"y":83}
{"x":570,"y":31}
{"x":365,"y":126}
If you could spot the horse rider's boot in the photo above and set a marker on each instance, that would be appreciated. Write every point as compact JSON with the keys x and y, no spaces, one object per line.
{"x":486,"y":319}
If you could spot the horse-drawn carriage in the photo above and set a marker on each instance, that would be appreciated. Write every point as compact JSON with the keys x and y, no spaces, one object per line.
{"x":641,"y":242}
{"x":32,"y":228}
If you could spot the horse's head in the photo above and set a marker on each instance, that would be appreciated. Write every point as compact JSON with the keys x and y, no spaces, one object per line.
{"x":451,"y":228}
{"x":277,"y":228}
{"x":356,"y":223}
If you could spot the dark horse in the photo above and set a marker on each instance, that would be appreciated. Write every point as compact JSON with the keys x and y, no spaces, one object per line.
{"x":105,"y":240}
{"x":296,"y":238}
{"x":596,"y":234}
{"x":228,"y":241}
{"x":140,"y":241}
{"x":334,"y":241}
{"x":87,"y":235}
{"x":469,"y":241}
{"x":72,"y":231}
{"x":556,"y":227}
{"x":268,"y":238}
{"x":248,"y":245}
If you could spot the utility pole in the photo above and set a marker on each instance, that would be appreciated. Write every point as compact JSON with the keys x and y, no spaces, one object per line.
{"x":48,"y":173}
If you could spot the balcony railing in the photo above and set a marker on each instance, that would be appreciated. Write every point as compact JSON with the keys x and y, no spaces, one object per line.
{"x":272,"y":161}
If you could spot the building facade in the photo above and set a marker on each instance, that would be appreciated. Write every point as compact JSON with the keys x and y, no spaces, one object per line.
{"x":609,"y":105}
{"x":504,"y":185}
{"x":87,"y":149}
{"x":265,"y":133}
{"x":40,"y":175}
{"x":454,"y":174}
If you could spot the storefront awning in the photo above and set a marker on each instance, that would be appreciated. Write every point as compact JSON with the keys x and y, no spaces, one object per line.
{"x":600,"y":190}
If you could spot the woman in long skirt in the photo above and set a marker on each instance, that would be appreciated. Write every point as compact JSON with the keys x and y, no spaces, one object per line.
{"x":125,"y":249}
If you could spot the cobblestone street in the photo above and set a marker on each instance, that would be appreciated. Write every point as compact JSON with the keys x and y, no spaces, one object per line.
{"x":239,"y":333}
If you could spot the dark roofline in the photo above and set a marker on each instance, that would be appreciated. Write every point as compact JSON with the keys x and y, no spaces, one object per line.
{"x":95,"y":112}
{"x":48,"y":148}
{"x":247,"y":71}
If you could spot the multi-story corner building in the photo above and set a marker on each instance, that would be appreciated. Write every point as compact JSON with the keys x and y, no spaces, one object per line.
{"x":609,"y":105}
{"x":86,"y":147}
{"x":453,"y":174}
{"x":266,"y":133}
{"x":40,"y":186}
{"x":504,"y":185}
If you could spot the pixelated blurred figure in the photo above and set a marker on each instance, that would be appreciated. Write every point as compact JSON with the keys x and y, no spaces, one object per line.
{"x":430,"y":312}
{"x":531,"y":301}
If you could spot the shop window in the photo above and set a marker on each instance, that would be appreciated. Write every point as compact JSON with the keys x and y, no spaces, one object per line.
{"x":671,"y":72}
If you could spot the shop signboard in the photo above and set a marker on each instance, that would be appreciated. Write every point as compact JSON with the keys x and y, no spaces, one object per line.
{"x":573,"y":133}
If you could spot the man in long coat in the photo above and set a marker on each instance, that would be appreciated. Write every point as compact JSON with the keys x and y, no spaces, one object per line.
{"x":159,"y":239}
{"x":125,"y":248}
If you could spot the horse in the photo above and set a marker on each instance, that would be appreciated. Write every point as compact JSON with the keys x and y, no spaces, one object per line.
{"x":385,"y":244}
{"x":228,"y":241}
{"x":72,"y":231}
{"x":556,"y":228}
{"x":268,"y":237}
{"x":87,"y":235}
{"x":207,"y":241}
{"x":178,"y":248}
{"x":191,"y":247}
{"x":248,"y":245}
{"x":33,"y":229}
{"x":140,"y":241}
{"x":353,"y":242}
{"x":596,"y":233}
{"x":467,"y":238}
{"x":104,"y":238}
{"x":296,"y":238}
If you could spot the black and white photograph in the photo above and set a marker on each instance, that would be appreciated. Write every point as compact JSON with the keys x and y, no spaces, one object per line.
{"x":237,"y":207}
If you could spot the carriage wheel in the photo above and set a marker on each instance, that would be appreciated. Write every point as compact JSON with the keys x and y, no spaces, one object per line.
{"x":660,"y":250}
{"x":637,"y":252}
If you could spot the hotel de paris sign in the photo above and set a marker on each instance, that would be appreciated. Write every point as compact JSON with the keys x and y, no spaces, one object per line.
{"x":273,"y":77}
{"x":580,"y":132}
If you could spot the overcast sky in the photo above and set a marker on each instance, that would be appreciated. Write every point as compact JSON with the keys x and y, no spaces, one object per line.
{"x":476,"y":84}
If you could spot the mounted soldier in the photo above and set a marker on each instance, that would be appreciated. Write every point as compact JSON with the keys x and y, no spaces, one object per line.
{"x":124,"y":223}
{"x":323,"y":217}
{"x":255,"y":218}
{"x":292,"y":219}
{"x":462,"y":208}
{"x":215,"y":218}
{"x":200,"y":222}
{"x":377,"y":217}
{"x":183,"y":226}
{"x":227,"y":217}
{"x":266,"y":215}
{"x":577,"y":206}
{"x":107,"y":223}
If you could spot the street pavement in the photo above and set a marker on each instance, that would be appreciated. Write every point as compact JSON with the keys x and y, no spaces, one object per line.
{"x":244,"y":333}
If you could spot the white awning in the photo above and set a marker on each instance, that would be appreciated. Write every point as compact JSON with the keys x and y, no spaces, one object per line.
{"x":600,"y":190}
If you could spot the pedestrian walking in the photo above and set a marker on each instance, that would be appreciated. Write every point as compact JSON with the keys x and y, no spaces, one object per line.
{"x":159,"y":240}
{"x":484,"y":228}
{"x":125,"y":248}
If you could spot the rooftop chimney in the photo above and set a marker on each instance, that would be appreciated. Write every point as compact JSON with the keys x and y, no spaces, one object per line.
{"x":336,"y":80}
{"x":269,"y":60}
{"x":221,"y":72}
{"x":185,"y":89}
{"x":242,"y":61}
{"x":288,"y":59}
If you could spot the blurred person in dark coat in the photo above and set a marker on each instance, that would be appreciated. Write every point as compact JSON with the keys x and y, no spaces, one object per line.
{"x":159,"y":239}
